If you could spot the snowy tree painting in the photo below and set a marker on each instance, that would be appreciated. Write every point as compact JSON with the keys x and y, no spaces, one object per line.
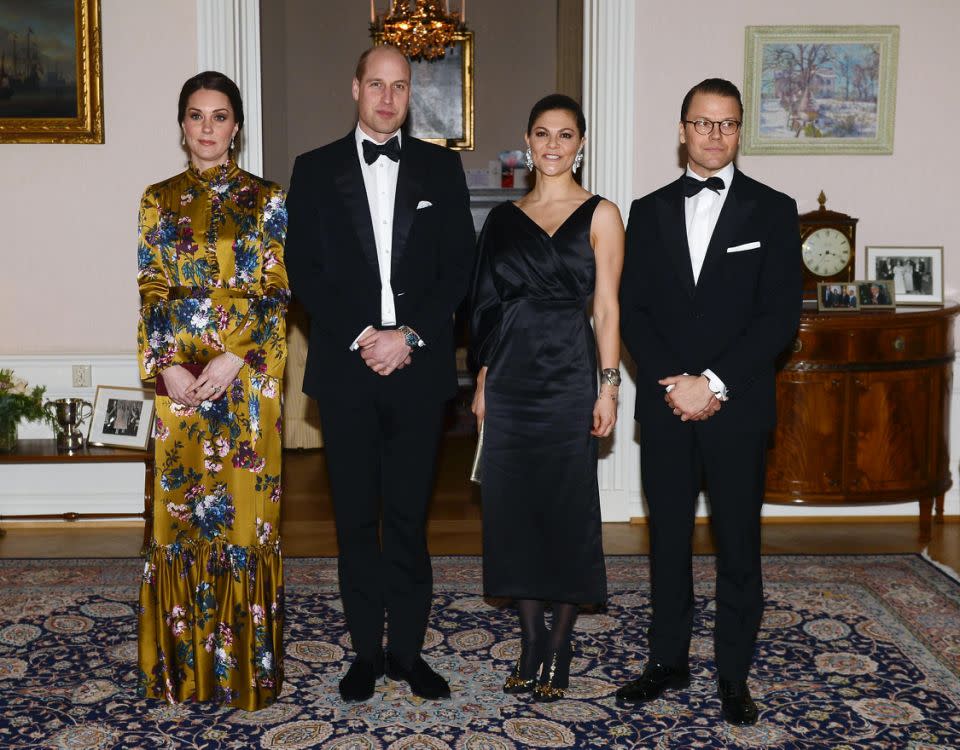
{"x":819,"y":90}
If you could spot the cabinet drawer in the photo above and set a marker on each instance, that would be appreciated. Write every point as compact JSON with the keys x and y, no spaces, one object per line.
{"x":894,"y":345}
{"x":822,"y":346}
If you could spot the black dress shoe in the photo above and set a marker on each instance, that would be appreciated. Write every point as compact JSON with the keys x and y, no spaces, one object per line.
{"x":738,"y":706}
{"x":423,"y":681}
{"x":361,"y":679}
{"x":650,"y":685}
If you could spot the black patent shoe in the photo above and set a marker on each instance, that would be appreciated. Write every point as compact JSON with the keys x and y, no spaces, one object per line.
{"x":738,"y":707}
{"x":423,"y":681}
{"x":554,"y":678}
{"x":656,"y":679}
{"x":360,"y":680}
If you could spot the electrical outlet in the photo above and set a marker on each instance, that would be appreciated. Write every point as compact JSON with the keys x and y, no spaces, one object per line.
{"x":82,"y":376}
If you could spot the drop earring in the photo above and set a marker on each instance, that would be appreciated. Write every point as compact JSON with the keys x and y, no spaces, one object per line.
{"x":183,"y":139}
{"x":578,"y":160}
{"x":528,"y":159}
{"x":231,"y":142}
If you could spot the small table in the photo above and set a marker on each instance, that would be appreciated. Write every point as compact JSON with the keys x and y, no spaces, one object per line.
{"x":44,"y":451}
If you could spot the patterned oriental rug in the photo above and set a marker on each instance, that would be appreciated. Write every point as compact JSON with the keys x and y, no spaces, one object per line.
{"x":855,"y":652}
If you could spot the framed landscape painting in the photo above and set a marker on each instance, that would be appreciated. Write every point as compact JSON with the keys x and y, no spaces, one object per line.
{"x":819,"y":89}
{"x":50,"y":72}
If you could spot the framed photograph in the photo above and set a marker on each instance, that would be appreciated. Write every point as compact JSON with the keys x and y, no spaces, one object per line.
{"x":876,"y":295}
{"x":441,"y":96}
{"x":122,"y":417}
{"x":837,"y":297}
{"x":50,"y":72}
{"x":915,"y":272}
{"x":819,"y":89}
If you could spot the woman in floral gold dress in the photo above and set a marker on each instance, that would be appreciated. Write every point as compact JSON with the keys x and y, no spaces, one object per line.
{"x":213,"y":293}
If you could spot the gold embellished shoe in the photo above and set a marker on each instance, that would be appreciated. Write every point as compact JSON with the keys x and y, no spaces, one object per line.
{"x":516,"y":684}
{"x":554,"y":679}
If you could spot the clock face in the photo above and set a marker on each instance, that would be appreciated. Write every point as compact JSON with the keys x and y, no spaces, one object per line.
{"x":826,"y":251}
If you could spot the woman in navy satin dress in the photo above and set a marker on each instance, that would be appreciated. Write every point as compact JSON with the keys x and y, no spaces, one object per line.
{"x":542,"y":261}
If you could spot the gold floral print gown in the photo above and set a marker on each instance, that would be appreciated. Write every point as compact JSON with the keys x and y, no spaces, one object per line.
{"x":212,"y":279}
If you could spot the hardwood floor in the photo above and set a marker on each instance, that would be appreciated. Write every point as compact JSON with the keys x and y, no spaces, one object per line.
{"x":307,"y":524}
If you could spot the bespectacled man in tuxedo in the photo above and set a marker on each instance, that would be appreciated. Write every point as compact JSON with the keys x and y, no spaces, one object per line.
{"x":379,"y":250}
{"x":710,"y":296}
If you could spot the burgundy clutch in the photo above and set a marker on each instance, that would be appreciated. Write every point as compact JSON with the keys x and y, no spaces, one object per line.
{"x":194,"y":368}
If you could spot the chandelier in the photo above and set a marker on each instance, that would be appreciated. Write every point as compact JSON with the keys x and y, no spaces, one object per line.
{"x":423,"y":31}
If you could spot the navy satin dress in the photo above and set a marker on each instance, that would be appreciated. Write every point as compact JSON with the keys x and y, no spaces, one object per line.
{"x":530,"y":327}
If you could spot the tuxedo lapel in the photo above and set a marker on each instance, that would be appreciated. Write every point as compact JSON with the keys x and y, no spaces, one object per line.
{"x":354,"y":194}
{"x":673,"y":230}
{"x":409,"y":184}
{"x":736,"y":209}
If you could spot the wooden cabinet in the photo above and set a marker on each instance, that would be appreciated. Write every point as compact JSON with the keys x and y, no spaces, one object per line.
{"x":863,"y":410}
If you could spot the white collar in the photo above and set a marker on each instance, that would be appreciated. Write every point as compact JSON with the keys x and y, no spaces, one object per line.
{"x":360,"y":136}
{"x":725,"y":174}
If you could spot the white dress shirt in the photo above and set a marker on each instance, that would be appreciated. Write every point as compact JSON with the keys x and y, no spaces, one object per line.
{"x":702,"y":211}
{"x":380,"y":181}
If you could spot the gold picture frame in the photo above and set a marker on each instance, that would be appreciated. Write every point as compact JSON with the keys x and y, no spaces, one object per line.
{"x":36,"y":96}
{"x":441,"y":95}
{"x":837,"y":296}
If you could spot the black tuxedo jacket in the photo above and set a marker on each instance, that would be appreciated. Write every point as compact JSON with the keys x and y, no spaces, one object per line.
{"x":736,"y":320}
{"x":331,"y":258}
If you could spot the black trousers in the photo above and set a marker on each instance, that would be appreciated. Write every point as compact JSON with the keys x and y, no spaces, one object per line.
{"x":674,"y":462}
{"x":381,"y":457}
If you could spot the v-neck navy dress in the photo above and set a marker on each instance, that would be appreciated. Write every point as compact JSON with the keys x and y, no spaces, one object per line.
{"x":530,"y":327}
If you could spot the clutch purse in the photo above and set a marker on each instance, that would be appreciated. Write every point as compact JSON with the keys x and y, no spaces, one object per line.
{"x":194,"y":368}
{"x":475,"y":469}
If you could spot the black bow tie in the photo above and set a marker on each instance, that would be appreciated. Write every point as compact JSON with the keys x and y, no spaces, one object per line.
{"x":692,"y":186}
{"x":391,"y":149}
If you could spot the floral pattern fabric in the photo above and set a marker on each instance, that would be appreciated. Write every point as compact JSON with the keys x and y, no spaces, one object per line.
{"x":212,"y":280}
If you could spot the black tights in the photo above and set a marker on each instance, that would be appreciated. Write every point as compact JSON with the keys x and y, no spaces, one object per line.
{"x":539,"y":642}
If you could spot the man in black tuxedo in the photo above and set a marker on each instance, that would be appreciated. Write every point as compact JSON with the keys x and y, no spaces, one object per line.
{"x":379,"y":250}
{"x":710,"y":296}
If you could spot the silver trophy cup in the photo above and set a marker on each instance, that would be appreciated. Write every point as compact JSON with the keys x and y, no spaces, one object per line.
{"x":69,"y":415}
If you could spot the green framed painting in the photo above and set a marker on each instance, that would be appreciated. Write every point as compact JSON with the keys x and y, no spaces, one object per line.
{"x":819,"y":89}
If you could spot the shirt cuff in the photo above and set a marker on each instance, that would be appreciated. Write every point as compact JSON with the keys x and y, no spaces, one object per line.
{"x":716,"y":385}
{"x":355,"y":345}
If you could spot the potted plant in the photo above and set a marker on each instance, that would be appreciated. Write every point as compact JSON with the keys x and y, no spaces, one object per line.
{"x":18,"y":402}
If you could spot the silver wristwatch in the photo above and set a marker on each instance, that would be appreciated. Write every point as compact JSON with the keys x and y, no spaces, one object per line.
{"x":610,"y":376}
{"x":410,"y":337}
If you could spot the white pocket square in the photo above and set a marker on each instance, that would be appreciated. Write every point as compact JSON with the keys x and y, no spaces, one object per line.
{"x":745,"y":246}
{"x":423,"y":204}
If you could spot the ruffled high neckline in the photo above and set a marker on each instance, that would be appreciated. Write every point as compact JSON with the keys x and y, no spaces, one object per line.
{"x":216,"y":174}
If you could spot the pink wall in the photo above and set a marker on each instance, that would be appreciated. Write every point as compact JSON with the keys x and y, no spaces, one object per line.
{"x":895,"y":197}
{"x":69,"y":212}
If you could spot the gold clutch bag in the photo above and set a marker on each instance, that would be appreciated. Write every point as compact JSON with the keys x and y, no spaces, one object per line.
{"x":475,"y":469}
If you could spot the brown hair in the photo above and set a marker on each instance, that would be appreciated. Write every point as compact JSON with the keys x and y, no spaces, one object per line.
{"x":212,"y":81}
{"x":719,"y":86}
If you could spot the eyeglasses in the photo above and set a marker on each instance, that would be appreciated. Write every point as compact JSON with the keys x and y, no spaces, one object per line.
{"x":705,"y":127}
